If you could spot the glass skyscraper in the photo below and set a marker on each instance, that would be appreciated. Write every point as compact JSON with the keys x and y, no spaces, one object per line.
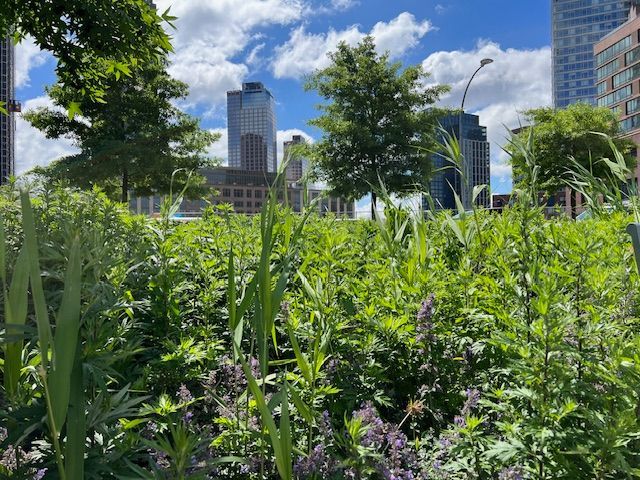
{"x":251,"y":124}
{"x":474,"y":148}
{"x":7,"y":121}
{"x":576,"y":26}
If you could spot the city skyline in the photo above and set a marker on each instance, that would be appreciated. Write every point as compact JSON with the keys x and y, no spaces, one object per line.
{"x":218,"y":48}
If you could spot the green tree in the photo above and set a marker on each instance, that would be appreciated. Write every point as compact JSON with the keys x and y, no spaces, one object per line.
{"x":132,"y":142}
{"x":559,"y":135}
{"x":94,"y":41}
{"x":377,"y":124}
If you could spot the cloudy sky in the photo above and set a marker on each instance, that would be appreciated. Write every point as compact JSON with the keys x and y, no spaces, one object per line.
{"x":221,"y":43}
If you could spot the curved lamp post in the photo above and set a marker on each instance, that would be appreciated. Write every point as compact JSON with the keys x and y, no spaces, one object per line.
{"x":465,"y":196}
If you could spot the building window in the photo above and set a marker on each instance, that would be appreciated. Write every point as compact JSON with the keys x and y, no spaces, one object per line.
{"x":626,"y":75}
{"x":608,"y":69}
{"x":226,"y":192}
{"x":632,"y":56}
{"x":238,"y":193}
{"x":248,"y":193}
{"x":258,"y":193}
{"x":615,"y":97}
{"x":633,"y":106}
{"x":238,"y":204}
{"x":613,"y":50}
{"x":630,"y":123}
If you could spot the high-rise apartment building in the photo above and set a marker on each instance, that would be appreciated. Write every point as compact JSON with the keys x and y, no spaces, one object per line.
{"x":251,"y":124}
{"x":7,"y":121}
{"x":297,"y":166}
{"x":618,"y":60}
{"x":475,"y":151}
{"x":576,"y":26}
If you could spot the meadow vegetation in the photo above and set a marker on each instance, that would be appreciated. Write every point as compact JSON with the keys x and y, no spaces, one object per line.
{"x":481,"y":345}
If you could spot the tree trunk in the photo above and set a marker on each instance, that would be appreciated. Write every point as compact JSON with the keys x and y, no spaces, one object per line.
{"x":125,"y":185}
{"x":574,"y":200}
{"x":374,"y":199}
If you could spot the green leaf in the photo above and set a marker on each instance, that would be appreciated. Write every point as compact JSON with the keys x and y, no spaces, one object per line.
{"x":73,"y":110}
{"x":66,"y":337}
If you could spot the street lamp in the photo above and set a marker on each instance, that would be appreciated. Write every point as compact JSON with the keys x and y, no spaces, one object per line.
{"x":465,"y":197}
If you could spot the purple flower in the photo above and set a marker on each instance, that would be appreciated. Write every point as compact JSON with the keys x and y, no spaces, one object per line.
{"x":426,"y":309}
{"x":397,"y":460}
{"x":424,"y":325}
{"x":374,"y":436}
{"x":460,"y":421}
{"x":317,"y":463}
{"x":511,"y":473}
{"x":324,"y":425}
{"x":39,"y":475}
{"x":473,"y":397}
{"x":184,"y":395}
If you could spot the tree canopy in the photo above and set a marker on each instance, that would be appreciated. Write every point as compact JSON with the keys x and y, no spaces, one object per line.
{"x":376,"y":124}
{"x":134,"y":141}
{"x":560,"y":135}
{"x":93,"y":40}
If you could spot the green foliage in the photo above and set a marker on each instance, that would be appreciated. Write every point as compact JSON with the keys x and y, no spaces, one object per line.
{"x":480,"y":345}
{"x":95,"y":42}
{"x":378,"y":114}
{"x":560,"y":136}
{"x":135,"y":138}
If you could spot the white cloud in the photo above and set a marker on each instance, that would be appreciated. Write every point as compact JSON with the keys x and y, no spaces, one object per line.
{"x":220,"y":149}
{"x":517,"y":80}
{"x":28,"y":56}
{"x":400,"y":34}
{"x":32,"y":147}
{"x":343,"y":4}
{"x":305,"y":52}
{"x":209,"y":75}
{"x":253,"y":56}
{"x":440,"y":8}
{"x":209,"y":34}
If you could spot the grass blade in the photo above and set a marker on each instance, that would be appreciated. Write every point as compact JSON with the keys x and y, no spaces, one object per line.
{"x":16,"y":303}
{"x":66,"y":337}
{"x":33,"y":257}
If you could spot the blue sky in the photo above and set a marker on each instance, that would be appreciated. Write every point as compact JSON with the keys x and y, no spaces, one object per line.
{"x":219,"y":44}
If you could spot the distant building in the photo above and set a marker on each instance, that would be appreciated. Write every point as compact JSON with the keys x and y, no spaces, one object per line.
{"x":500,"y":200}
{"x":7,"y":97}
{"x":618,"y":58}
{"x":297,"y":166}
{"x":577,"y":25}
{"x":251,"y":124}
{"x":476,"y":154}
{"x":246,"y":191}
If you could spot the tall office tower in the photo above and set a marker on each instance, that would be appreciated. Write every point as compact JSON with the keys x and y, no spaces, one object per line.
{"x":475,"y":151}
{"x":297,"y":165}
{"x":251,"y":124}
{"x":7,"y":121}
{"x":576,"y":26}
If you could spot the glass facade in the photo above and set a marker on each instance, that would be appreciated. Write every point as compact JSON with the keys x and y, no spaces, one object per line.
{"x":576,"y":26}
{"x":251,"y":124}
{"x":7,"y":121}
{"x":475,"y":150}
